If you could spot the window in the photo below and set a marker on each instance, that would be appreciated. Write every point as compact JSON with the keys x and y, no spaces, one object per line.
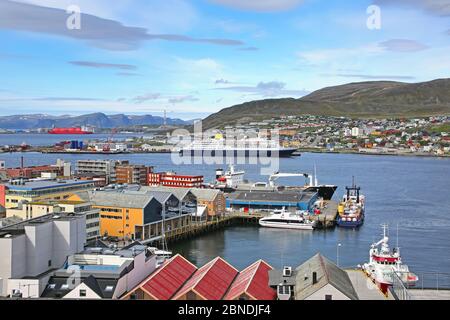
{"x":82,"y":293}
{"x":49,"y":263}
{"x":328,"y":297}
{"x":109,"y":288}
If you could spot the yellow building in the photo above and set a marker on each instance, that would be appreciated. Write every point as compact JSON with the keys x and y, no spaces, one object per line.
{"x":135,"y":216}
{"x":11,"y":194}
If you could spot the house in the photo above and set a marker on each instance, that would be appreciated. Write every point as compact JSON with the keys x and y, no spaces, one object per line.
{"x":164,"y":282}
{"x":252,"y":283}
{"x":210,"y":282}
{"x":213,"y":200}
{"x":316,"y":279}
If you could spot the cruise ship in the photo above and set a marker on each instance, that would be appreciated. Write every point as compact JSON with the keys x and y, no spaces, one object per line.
{"x":254,"y":147}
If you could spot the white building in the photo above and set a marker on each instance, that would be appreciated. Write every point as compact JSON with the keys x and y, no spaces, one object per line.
{"x":356,"y":132}
{"x":102,"y":273}
{"x":104,"y":167}
{"x":30,"y":249}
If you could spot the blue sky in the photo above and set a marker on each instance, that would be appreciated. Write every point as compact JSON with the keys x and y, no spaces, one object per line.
{"x":196,"y":57}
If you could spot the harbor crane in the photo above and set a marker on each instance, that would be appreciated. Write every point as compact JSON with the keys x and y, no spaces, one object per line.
{"x":277,"y":175}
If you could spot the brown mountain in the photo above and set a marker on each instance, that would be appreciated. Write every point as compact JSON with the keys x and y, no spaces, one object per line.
{"x":375,"y":99}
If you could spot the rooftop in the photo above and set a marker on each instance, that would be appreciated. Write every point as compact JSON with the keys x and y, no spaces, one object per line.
{"x":271,"y":196}
{"x":19,"y":228}
{"x":36,"y":185}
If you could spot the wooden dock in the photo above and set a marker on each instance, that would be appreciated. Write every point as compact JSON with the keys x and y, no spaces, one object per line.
{"x":325,"y":220}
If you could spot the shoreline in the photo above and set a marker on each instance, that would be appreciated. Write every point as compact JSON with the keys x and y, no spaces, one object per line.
{"x":420,"y":155}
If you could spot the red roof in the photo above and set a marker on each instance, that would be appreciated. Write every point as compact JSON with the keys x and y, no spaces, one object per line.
{"x":167,"y":279}
{"x":210,"y":281}
{"x":253,"y":281}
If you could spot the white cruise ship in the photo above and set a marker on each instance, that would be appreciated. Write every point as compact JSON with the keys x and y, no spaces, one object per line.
{"x":253,"y":147}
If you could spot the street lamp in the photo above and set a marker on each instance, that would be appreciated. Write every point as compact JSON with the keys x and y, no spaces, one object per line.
{"x":337,"y":253}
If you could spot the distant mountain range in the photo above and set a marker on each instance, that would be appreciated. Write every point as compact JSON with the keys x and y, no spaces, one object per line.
{"x":98,"y":120}
{"x":376,"y":99}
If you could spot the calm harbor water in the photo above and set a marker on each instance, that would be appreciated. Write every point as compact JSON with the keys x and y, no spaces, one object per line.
{"x":411,"y":192}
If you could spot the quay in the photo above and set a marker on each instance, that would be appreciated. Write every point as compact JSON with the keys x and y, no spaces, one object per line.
{"x":327,"y":217}
{"x":325,"y":220}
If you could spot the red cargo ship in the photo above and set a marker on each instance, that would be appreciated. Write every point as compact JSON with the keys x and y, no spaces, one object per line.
{"x":76,"y":130}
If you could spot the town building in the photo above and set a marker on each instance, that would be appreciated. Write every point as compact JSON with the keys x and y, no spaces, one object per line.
{"x":136,"y":215}
{"x":316,"y":279}
{"x":60,"y":169}
{"x":212,"y":200}
{"x":164,"y":282}
{"x":210,"y":282}
{"x":26,"y":211}
{"x":132,"y":174}
{"x":101,"y":273}
{"x":252,"y":283}
{"x":16,"y":191}
{"x":31,"y":249}
{"x":170,"y":179}
{"x":104,"y":167}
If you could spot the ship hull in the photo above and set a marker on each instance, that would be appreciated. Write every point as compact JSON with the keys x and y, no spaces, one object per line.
{"x":325,"y":192}
{"x":349,"y":224}
{"x":288,"y":152}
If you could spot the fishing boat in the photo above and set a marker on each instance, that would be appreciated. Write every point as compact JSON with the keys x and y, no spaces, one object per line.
{"x":287,"y":220}
{"x":384,"y":264}
{"x":351,"y":209}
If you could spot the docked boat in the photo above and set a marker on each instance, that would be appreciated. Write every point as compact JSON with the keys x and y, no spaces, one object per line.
{"x":233,"y":180}
{"x":384,"y":264}
{"x":287,"y":220}
{"x":71,"y":131}
{"x":249,"y":147}
{"x":351,"y":208}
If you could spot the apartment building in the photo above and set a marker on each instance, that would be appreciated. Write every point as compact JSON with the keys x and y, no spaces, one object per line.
{"x":104,"y":167}
{"x":171,"y":179}
{"x":132,"y":174}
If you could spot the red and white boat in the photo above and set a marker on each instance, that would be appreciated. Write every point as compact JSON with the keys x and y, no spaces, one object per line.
{"x":384,"y":263}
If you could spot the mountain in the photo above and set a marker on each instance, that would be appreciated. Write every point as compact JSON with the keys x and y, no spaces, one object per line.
{"x":98,"y":120}
{"x":375,"y":99}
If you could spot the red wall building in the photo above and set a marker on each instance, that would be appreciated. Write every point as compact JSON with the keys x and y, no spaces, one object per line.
{"x":169,"y":179}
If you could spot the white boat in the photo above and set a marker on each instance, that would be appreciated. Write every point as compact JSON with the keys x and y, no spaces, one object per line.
{"x":384,"y":263}
{"x":287,"y":220}
{"x":161,"y":255}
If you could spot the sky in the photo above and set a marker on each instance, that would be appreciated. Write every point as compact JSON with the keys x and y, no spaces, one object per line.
{"x":193,"y":58}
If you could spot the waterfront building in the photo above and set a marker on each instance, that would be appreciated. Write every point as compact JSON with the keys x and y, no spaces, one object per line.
{"x":270,"y":200}
{"x":210,"y":282}
{"x":29,"y":250}
{"x":252,"y":284}
{"x":171,"y":179}
{"x":16,"y":191}
{"x":60,"y":169}
{"x":101,"y":273}
{"x":316,"y":279}
{"x":132,"y":174}
{"x":164,"y":282}
{"x":212,"y":200}
{"x":104,"y":167}
{"x":135,"y":215}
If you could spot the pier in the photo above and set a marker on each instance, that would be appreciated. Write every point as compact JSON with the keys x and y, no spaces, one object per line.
{"x":327,"y":217}
{"x":325,"y":220}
